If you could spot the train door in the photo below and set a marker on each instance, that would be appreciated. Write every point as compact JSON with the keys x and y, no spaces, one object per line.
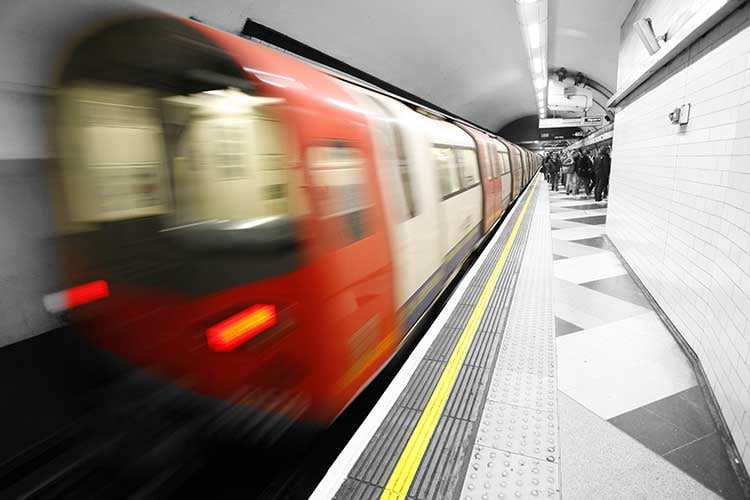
{"x":505,"y":178}
{"x":515,"y":168}
{"x":495,"y":195}
{"x":490,"y":177}
{"x":410,"y":205}
{"x":454,"y":159}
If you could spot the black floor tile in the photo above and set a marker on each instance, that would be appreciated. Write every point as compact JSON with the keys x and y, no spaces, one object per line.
{"x":594,"y":220}
{"x":706,"y":461}
{"x":651,"y":430}
{"x":695,"y":396}
{"x":596,"y":242}
{"x":623,"y":287}
{"x":691,"y":418}
{"x":558,"y":257}
{"x":563,"y":327}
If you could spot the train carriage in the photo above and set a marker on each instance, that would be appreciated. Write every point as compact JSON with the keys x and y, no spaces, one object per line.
{"x":251,"y":227}
{"x":489,"y":163}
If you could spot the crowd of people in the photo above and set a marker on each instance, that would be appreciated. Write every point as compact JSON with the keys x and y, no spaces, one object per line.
{"x":579,"y":171}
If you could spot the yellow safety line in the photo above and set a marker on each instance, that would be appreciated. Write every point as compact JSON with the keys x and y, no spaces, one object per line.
{"x":411,"y":456}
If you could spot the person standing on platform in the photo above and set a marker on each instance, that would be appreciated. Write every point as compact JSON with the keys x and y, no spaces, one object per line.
{"x":585,"y":172}
{"x":545,"y":167}
{"x":601,"y":168}
{"x":567,"y":171}
{"x":554,"y":172}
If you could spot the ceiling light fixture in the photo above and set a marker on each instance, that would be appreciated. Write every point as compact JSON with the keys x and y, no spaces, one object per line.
{"x":532,"y":16}
{"x":534,"y":39}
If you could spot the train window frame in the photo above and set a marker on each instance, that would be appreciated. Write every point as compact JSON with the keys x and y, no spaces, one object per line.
{"x":490,"y":170}
{"x":450,"y":169}
{"x":504,"y":158}
{"x":403,"y":171}
{"x":461,"y":185}
{"x":355,"y":221}
{"x":494,"y":162}
{"x":229,"y":171}
{"x":466,"y":166}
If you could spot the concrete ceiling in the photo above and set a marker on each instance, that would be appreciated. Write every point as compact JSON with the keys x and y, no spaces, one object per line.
{"x":584,"y":35}
{"x":467,"y":57}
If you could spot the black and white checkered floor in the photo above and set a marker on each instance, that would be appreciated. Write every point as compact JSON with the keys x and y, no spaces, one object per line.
{"x":618,"y":360}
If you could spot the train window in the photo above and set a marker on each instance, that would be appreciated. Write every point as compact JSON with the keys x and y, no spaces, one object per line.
{"x":493,"y":162}
{"x":468,"y":167}
{"x":229,"y":143}
{"x":113,"y":153}
{"x":232,"y":162}
{"x":403,"y":170}
{"x":337,"y":172}
{"x":445,"y":162}
{"x":504,"y":162}
{"x":402,"y":161}
{"x":460,"y":168}
{"x":490,"y":169}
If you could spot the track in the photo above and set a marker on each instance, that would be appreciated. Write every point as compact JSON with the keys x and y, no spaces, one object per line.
{"x":121,"y":444}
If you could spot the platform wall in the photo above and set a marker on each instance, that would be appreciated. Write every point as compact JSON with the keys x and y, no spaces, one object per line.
{"x":679,"y":208}
{"x":32,"y":38}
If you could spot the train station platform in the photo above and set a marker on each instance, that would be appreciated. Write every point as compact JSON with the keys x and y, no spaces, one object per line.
{"x":548,"y":374}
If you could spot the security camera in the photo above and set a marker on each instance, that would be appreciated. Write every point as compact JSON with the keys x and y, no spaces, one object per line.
{"x":645,"y":31}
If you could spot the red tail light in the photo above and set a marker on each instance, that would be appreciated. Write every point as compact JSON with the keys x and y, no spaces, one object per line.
{"x":84,"y":294}
{"x":241,"y":327}
{"x":76,"y":296}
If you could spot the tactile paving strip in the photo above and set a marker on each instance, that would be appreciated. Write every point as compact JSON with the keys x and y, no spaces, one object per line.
{"x":520,"y":430}
{"x":523,"y":389}
{"x":516,"y":453}
{"x":441,"y":471}
{"x":495,"y":474}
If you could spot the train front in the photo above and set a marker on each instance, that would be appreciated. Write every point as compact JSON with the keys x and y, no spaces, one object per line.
{"x":187,"y":233}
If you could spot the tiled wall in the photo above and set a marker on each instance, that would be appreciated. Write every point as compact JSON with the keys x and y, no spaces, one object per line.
{"x":680,"y":205}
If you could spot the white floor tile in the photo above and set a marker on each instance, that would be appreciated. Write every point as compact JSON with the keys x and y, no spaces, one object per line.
{"x":578,"y":233}
{"x":588,"y":308}
{"x":570,"y":249}
{"x":565,"y":223}
{"x":589,"y":267}
{"x":620,"y":366}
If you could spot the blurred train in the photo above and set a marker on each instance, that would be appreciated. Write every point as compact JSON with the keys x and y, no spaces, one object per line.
{"x":252,"y":227}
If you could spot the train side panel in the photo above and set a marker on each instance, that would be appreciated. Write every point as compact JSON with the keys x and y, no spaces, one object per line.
{"x":410,"y":196}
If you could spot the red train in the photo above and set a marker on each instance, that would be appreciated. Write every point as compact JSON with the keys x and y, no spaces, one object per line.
{"x":253,"y":227}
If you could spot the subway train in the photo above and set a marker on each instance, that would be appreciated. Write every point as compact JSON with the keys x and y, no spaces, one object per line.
{"x":253,"y":228}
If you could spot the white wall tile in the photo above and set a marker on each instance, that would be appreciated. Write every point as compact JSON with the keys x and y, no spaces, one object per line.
{"x":679,"y":206}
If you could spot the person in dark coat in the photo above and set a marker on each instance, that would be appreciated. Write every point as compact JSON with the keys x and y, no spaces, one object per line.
{"x":602,"y":167}
{"x":585,"y":171}
{"x":554,"y":172}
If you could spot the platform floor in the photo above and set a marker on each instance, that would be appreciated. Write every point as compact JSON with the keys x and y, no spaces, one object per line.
{"x":618,"y":361}
{"x":547,"y":375}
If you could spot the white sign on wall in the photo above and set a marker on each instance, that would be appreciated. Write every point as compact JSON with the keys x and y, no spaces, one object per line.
{"x":583,"y":121}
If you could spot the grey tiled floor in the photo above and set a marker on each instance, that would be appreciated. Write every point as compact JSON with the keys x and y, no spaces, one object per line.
{"x":679,"y":427}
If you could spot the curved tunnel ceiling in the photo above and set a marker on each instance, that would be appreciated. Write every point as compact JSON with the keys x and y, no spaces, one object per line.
{"x":584,"y":36}
{"x":466,"y":57}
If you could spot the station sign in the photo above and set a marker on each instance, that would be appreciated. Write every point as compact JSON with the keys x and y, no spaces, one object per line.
{"x":582,"y":121}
